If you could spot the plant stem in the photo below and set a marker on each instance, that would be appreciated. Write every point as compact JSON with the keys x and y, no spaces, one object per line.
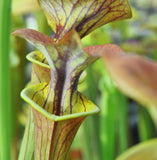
{"x":5,"y":107}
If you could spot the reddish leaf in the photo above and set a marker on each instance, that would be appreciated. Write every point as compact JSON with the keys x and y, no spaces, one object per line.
{"x":134,"y":75}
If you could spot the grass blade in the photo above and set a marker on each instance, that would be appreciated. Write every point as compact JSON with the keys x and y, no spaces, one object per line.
{"x":5,"y":108}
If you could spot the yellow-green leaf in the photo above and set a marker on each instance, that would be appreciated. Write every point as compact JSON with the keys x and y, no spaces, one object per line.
{"x":40,"y":68}
{"x":58,"y":107}
{"x":27,"y":146}
{"x":84,"y":15}
{"x":40,"y":73}
{"x":142,"y":151}
{"x":54,"y":134}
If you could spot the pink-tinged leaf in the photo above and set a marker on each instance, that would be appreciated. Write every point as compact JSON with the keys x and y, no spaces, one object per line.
{"x":101,"y":50}
{"x":135,"y":76}
{"x":85,"y":15}
{"x":33,"y":36}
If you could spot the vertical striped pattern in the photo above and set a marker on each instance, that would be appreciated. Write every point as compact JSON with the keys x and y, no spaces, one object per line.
{"x":5,"y":93}
{"x":40,"y":74}
{"x":53,"y":139}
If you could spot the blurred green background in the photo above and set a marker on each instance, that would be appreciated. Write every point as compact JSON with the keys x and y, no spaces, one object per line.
{"x":122,"y":123}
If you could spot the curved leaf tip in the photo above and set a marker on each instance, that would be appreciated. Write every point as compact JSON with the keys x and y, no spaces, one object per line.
{"x":104,"y":50}
{"x":32,"y":35}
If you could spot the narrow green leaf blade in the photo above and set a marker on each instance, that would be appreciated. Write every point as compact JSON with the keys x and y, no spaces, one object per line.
{"x":5,"y":89}
{"x":27,"y":146}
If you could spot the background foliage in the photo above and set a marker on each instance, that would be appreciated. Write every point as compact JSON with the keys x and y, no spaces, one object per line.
{"x":122,"y":122}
